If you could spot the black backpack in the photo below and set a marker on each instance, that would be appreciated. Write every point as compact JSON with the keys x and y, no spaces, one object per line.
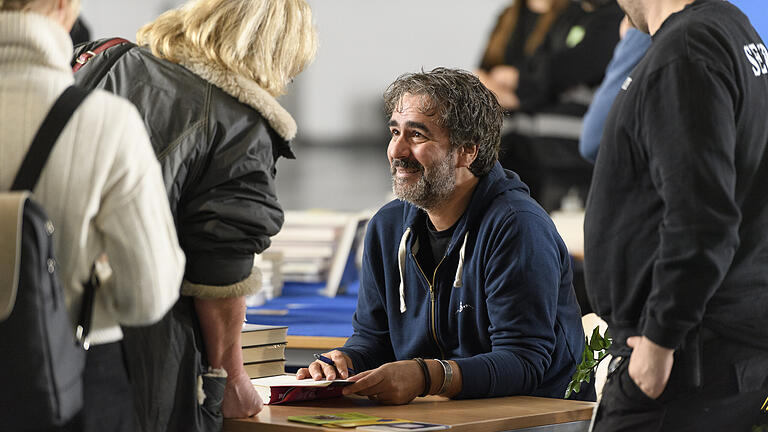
{"x":41,"y":358}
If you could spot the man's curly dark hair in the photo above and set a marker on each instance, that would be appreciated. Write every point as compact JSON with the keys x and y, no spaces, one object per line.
{"x":463,"y":106}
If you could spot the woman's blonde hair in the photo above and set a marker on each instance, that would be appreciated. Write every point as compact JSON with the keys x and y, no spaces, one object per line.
{"x":267,"y":41}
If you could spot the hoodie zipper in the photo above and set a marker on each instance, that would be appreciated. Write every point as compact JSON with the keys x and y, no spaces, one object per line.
{"x":432,"y":318}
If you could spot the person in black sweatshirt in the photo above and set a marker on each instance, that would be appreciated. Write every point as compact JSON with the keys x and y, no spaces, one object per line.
{"x":676,"y":230}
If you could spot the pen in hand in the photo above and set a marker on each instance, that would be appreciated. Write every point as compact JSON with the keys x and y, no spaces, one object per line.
{"x":328,"y":361}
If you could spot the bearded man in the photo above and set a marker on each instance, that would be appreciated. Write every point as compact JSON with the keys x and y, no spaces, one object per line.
{"x":466,"y":285}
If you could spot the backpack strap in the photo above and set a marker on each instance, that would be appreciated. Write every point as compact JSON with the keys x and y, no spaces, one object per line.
{"x":11,"y":218}
{"x":46,"y":136}
{"x":29,"y":174}
{"x":83,"y":327}
{"x":83,"y":58}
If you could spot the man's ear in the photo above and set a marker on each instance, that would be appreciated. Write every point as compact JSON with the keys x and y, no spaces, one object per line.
{"x":466,"y":155}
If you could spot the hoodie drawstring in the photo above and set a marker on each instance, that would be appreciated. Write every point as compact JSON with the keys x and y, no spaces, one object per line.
{"x":401,"y":255}
{"x":460,"y":269}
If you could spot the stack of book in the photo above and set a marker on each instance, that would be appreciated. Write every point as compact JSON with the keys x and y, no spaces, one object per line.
{"x":307,"y":242}
{"x":317,"y":245}
{"x":269,"y":264}
{"x":263,"y":349}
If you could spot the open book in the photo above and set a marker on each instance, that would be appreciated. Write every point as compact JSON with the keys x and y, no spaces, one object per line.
{"x":286,"y":388}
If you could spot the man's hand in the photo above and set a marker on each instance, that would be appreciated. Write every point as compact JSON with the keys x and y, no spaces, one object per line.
{"x":240,"y":398}
{"x":392,"y":383}
{"x":318,"y":370}
{"x":649,"y":365}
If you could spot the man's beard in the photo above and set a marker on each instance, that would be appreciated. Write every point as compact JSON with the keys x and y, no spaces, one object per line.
{"x":431,"y":189}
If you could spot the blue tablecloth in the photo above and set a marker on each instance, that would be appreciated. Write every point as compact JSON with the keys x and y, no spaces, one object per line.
{"x":308,"y":312}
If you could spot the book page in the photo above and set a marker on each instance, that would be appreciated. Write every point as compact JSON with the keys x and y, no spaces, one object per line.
{"x":291,"y":381}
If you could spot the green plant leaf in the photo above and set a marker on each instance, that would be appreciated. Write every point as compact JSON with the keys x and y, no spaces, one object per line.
{"x":596,"y":340}
{"x":595,"y":350}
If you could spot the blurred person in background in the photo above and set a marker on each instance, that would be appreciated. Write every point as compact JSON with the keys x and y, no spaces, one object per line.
{"x":547,"y":91}
{"x":205,"y":78}
{"x":520,"y":33}
{"x":628,"y":53}
{"x":103,"y":190}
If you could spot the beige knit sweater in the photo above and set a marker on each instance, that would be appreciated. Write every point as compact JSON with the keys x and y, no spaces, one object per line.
{"x":101,"y":187}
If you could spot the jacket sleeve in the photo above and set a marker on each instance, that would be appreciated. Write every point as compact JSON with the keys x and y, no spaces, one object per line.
{"x":370,"y":346}
{"x":522,"y":280}
{"x":548,"y":74}
{"x":136,"y":223}
{"x":691,"y":148}
{"x":229,"y":210}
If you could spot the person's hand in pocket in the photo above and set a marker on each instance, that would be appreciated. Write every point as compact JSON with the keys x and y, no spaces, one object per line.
{"x":649,"y":365}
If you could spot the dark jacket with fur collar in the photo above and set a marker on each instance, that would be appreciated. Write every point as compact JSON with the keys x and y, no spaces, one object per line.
{"x":217,"y":137}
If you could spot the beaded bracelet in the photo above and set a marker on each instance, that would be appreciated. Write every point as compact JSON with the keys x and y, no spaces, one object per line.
{"x":427,"y":380}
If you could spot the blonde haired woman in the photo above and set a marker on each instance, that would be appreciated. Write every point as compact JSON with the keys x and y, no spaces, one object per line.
{"x":103,"y":190}
{"x":205,"y":77}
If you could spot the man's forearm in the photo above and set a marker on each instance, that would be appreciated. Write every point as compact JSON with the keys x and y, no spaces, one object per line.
{"x":221,"y":322}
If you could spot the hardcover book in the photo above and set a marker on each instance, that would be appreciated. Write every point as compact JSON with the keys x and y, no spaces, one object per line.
{"x":262,"y":353}
{"x":286,"y":388}
{"x":265,"y":369}
{"x":258,"y":334}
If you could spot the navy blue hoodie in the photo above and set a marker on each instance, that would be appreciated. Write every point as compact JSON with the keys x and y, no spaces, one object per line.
{"x":501,"y":305}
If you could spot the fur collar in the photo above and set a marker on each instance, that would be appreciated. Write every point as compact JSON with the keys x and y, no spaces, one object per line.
{"x":247,"y":92}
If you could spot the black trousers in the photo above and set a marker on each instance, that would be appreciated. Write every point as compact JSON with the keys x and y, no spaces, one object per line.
{"x":734,"y":385}
{"x":107,"y":398}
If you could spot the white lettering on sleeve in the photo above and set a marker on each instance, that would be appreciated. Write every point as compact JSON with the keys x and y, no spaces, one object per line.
{"x":757,"y":55}
{"x":764,"y":52}
{"x":755,"y":65}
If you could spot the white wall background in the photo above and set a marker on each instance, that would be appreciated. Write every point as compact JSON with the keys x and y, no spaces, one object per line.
{"x":364,"y":46}
{"x":108,"y":18}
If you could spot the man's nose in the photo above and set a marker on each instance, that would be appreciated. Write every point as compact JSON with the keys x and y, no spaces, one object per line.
{"x":398,"y":147}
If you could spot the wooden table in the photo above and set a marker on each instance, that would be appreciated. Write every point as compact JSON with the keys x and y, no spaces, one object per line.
{"x":476,"y":415}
